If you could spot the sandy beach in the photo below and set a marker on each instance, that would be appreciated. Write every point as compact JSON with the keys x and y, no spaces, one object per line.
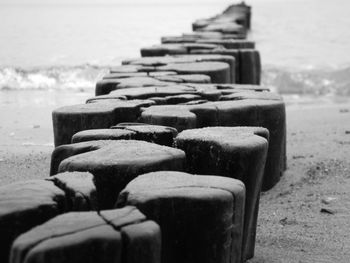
{"x":304,"y":218}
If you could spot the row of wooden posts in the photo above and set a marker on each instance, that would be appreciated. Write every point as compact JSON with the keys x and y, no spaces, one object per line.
{"x":164,"y":165}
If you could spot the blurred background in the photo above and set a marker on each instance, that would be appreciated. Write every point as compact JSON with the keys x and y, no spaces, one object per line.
{"x":52,"y":44}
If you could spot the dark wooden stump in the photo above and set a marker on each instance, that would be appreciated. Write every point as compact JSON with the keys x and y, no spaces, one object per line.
{"x":235,"y":152}
{"x":201,"y":217}
{"x":121,"y":235}
{"x":115,"y":163}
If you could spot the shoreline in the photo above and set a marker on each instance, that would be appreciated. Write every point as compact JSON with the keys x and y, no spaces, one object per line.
{"x":26,"y":133}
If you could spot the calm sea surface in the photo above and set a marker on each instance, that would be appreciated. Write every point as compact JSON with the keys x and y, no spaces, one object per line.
{"x":305,"y":45}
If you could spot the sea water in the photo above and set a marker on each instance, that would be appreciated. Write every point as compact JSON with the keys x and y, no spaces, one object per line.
{"x":52,"y":44}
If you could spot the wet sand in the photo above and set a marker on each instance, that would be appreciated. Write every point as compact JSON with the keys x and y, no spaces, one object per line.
{"x":305,"y":218}
{"x":26,"y":133}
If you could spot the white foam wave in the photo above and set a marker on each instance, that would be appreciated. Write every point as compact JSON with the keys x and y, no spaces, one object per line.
{"x":77,"y":77}
{"x":313,"y":81}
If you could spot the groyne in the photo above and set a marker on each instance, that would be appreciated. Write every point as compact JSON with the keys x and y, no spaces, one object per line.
{"x":164,"y":163}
